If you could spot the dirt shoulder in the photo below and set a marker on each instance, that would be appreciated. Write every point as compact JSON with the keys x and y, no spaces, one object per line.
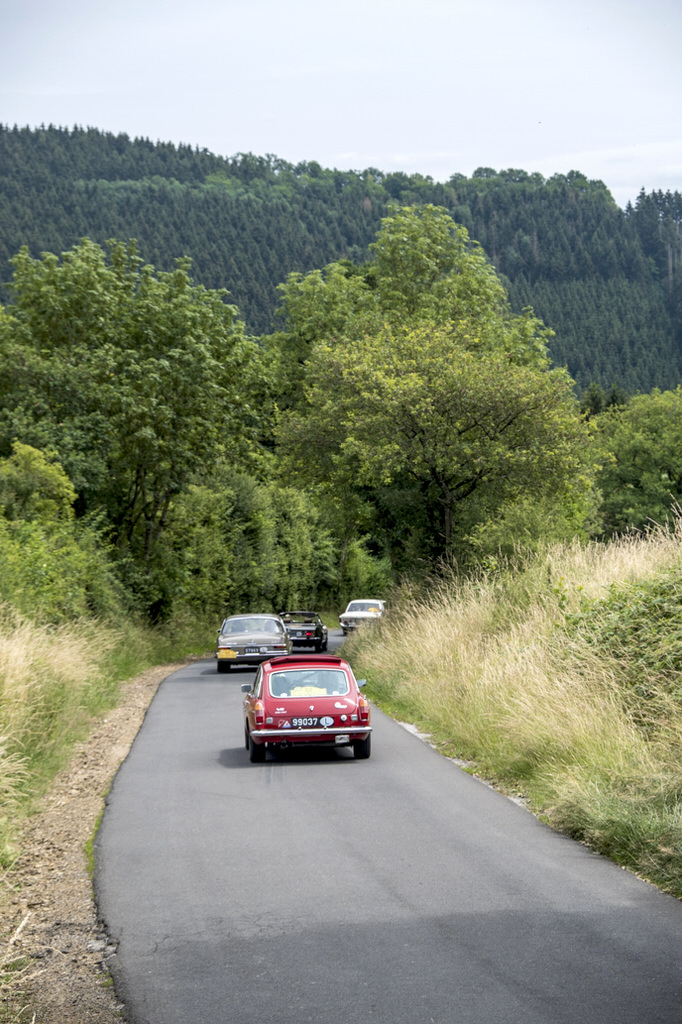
{"x":49,"y":930}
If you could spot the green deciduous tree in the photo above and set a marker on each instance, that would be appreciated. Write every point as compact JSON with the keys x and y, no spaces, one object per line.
{"x":53,"y":567}
{"x":641,"y":478}
{"x":417,"y":410}
{"x":426,"y":266}
{"x":424,"y":269}
{"x":138,"y":380}
{"x":248,"y":545}
{"x":322,"y":304}
{"x":33,"y":487}
{"x":428,"y":399}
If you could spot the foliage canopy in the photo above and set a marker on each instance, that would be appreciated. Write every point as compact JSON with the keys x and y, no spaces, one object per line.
{"x":641,"y":476}
{"x":438,"y":404}
{"x":137,"y":381}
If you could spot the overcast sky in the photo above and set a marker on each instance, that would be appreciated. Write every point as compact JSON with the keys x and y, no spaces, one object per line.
{"x":430,"y":86}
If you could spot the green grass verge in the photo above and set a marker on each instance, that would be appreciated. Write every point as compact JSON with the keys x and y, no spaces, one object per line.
{"x":557,"y":679}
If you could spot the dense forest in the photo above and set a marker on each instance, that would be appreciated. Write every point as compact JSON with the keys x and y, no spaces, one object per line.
{"x":234,"y":383}
{"x":155,"y":456}
{"x":608,"y":282}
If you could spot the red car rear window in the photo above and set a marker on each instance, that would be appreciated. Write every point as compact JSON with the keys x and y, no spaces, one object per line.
{"x":313,"y":682}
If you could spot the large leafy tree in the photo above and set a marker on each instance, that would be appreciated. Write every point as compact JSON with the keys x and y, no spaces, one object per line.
{"x":247,"y":545}
{"x":431,"y":399}
{"x":424,"y":266}
{"x":53,"y":567}
{"x":641,"y":478}
{"x":138,"y":380}
{"x":418,"y":419}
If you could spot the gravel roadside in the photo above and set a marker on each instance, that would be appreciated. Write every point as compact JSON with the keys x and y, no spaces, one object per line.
{"x":50,"y":934}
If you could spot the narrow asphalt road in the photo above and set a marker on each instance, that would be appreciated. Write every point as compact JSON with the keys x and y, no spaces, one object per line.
{"x":317,"y":888}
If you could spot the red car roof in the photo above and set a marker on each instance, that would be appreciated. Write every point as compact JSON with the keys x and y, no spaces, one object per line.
{"x":292,"y":660}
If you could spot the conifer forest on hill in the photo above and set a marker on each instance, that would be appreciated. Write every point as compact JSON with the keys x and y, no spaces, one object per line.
{"x":607,"y":281}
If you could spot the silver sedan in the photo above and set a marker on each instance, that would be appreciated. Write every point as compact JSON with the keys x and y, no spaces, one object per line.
{"x":249,"y":640}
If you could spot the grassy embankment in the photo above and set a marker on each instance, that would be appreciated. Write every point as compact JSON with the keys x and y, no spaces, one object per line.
{"x":558,"y":679}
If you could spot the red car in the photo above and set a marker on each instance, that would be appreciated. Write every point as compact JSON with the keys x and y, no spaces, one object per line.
{"x":311,"y":698}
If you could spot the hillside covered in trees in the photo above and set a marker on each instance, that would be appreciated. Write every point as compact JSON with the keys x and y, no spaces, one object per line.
{"x":607,"y":281}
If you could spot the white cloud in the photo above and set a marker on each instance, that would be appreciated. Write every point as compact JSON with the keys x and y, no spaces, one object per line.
{"x":436,"y":86}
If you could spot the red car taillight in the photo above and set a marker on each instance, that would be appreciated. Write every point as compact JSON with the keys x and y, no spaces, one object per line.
{"x":363,"y":710}
{"x":259,"y":713}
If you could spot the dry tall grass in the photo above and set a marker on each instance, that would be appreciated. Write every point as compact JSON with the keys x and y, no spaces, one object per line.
{"x":55,"y":681}
{"x":51,"y":683}
{"x":489,"y":669}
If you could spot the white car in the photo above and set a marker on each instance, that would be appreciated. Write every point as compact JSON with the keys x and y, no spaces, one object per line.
{"x":358,"y":612}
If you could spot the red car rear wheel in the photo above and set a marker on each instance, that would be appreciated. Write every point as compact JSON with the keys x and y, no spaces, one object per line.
{"x":362,"y":748}
{"x":256,"y":751}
